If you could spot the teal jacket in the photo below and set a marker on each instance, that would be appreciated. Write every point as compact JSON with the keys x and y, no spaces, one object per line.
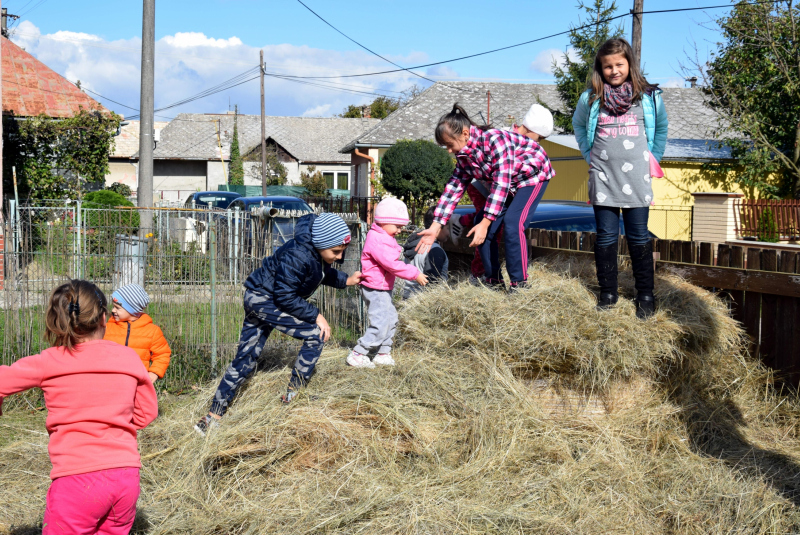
{"x":584,"y":122}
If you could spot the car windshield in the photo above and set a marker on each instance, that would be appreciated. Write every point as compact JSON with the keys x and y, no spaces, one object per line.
{"x":217,"y":201}
{"x":285,"y":205}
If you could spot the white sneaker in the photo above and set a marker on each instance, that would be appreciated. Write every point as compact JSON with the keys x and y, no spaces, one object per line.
{"x":383,"y":359}
{"x":357,"y":360}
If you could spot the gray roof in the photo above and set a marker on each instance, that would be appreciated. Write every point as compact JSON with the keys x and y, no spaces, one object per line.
{"x":309,"y":139}
{"x":689,"y":117}
{"x":677,"y":149}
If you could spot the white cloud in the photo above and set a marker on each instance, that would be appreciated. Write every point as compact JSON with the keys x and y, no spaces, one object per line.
{"x":674,"y":82}
{"x":317,"y":111}
{"x":196,"y":39}
{"x":190,"y":62}
{"x":543,"y":62}
{"x":441,"y":72}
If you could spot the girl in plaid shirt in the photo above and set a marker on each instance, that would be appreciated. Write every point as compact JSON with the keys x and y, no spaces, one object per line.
{"x":515,"y":170}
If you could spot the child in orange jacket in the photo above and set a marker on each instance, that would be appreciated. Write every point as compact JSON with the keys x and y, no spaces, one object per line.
{"x":131,"y":327}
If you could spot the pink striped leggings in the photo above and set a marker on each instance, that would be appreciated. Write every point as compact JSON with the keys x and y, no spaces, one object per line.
{"x":102,"y":502}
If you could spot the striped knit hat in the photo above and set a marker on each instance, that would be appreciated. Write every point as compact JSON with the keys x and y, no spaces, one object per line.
{"x":392,"y":211}
{"x":132,"y":298}
{"x":329,"y":230}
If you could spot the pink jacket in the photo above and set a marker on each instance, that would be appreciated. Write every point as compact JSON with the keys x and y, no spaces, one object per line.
{"x":380,"y":261}
{"x":96,"y":397}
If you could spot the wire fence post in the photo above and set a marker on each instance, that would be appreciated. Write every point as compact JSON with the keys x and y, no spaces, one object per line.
{"x":212,"y":237}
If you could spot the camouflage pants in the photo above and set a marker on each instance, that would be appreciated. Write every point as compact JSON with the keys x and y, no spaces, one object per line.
{"x":261,"y":317}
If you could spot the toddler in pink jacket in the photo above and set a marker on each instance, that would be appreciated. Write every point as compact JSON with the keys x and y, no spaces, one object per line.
{"x":381,"y":264}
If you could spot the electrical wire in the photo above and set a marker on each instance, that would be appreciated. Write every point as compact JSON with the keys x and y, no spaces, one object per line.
{"x":508,"y":47}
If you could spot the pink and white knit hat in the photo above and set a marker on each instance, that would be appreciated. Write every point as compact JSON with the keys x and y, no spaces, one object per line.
{"x":391,"y":211}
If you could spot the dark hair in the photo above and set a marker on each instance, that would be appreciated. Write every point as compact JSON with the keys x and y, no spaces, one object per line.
{"x":75,"y":311}
{"x":453,"y":123}
{"x":597,"y":82}
{"x":427,"y":219}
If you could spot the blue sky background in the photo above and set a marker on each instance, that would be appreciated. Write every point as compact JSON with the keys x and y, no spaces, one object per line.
{"x":201,"y":43}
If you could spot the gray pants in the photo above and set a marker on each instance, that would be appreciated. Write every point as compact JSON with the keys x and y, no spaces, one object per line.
{"x":382,"y":322}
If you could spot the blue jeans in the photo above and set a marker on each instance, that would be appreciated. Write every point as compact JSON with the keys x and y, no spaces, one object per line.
{"x":635,"y":219}
{"x":516,"y":216}
{"x":261,"y":317}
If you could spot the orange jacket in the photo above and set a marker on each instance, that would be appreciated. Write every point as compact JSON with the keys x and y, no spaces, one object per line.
{"x":143,"y":337}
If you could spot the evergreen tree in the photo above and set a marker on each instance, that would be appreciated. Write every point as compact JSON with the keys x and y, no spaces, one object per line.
{"x":574,"y":70}
{"x":236,"y":177}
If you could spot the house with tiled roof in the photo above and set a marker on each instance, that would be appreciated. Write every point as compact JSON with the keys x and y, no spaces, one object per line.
{"x":193,"y":152}
{"x":31,"y":88}
{"x":123,"y":162}
{"x":691,"y":142}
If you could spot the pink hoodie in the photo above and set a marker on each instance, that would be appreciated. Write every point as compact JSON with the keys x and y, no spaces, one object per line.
{"x":380,"y":261}
{"x":96,"y":397}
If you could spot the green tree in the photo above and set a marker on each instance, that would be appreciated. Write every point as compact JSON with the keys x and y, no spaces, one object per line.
{"x":574,"y":70}
{"x":313,"y":181}
{"x":767,"y":227}
{"x":379,"y":108}
{"x":416,"y":169}
{"x":57,"y":158}
{"x":236,"y":177}
{"x":277,"y":174}
{"x":753,"y":80}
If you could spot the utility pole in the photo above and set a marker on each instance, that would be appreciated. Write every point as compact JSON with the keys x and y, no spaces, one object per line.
{"x":263,"y":130}
{"x":144,"y":191}
{"x":2,"y":203}
{"x":4,"y":22}
{"x":636,"y":31}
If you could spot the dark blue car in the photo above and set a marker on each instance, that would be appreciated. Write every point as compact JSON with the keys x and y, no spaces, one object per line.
{"x":260,"y":226}
{"x":571,"y":216}
{"x":218,"y":199}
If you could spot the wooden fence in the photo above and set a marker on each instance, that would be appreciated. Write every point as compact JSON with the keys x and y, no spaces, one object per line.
{"x":767,"y":219}
{"x":761,"y":284}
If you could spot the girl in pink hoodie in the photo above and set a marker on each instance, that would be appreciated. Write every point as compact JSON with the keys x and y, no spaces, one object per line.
{"x":98,"y":395}
{"x":380,"y":264}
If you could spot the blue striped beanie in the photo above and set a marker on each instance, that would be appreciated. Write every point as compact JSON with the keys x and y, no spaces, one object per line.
{"x":132,"y":298}
{"x":329,"y":230}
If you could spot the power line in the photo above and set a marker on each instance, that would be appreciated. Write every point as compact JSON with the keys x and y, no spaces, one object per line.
{"x":495,"y":50}
{"x":362,"y":46}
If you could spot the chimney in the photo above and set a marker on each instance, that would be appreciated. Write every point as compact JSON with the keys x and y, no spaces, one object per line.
{"x":692,"y":81}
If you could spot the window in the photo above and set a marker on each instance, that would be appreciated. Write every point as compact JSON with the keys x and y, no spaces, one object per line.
{"x":342,"y":181}
{"x":328,"y":180}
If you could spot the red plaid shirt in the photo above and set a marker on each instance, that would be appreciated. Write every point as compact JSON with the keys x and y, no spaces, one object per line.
{"x":510,"y":161}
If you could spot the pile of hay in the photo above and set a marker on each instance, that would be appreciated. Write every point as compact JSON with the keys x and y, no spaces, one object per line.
{"x":665,"y":427}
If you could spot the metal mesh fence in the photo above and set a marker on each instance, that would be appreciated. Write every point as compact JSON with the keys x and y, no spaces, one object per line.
{"x":191,"y":262}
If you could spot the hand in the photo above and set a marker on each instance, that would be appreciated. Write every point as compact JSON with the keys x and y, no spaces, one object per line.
{"x":478,"y":232}
{"x":422,"y":279}
{"x":324,"y":327}
{"x":427,"y":237}
{"x":153,"y":377}
{"x":355,"y":278}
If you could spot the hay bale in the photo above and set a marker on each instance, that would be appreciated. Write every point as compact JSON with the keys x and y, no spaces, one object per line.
{"x":460,"y":435}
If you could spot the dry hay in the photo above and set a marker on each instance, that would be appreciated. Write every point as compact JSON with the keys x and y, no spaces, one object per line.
{"x":458,"y":437}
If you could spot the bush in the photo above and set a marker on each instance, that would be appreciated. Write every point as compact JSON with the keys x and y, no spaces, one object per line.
{"x":122,"y":189}
{"x":313,"y":181}
{"x":416,"y":169}
{"x":767,"y":227}
{"x":116,"y":221}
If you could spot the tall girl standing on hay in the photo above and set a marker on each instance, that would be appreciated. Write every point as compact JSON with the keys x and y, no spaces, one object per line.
{"x":621,"y":124}
{"x":98,"y":395}
{"x":517,"y":170}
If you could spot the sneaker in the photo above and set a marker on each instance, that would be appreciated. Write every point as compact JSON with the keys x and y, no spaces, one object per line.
{"x":475,"y":281}
{"x":383,"y":359}
{"x":357,"y":360}
{"x":515,"y":287}
{"x":290,"y":394}
{"x":206,"y":424}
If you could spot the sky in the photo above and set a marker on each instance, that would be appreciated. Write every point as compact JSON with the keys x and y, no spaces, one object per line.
{"x":202,"y":43}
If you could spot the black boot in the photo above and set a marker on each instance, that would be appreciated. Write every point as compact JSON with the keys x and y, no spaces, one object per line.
{"x":643,"y":275}
{"x":605,"y":259}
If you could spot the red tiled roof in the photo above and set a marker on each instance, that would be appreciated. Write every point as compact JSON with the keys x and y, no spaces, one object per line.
{"x":31,"y":88}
